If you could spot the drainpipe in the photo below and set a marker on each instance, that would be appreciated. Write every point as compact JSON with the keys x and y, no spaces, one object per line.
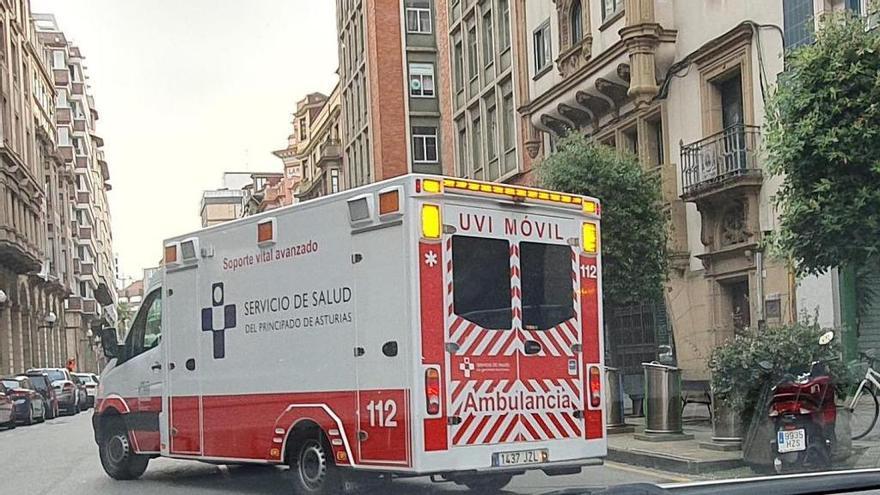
{"x":759,"y":287}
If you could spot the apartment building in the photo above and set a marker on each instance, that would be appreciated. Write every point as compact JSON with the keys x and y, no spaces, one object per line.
{"x":79,"y":147}
{"x":391,"y":69}
{"x":682,"y":85}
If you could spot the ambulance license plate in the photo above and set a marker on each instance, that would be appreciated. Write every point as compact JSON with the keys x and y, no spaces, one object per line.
{"x":518,"y":458}
{"x":791,"y":440}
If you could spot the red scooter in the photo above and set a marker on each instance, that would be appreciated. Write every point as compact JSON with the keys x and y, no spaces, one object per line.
{"x":804,"y":412}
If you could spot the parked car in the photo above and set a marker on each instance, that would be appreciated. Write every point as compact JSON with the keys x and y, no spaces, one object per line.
{"x":28,"y":403}
{"x":7,"y":412}
{"x":43,"y":385}
{"x":91,"y":382}
{"x":65,"y":389}
{"x":81,"y":391}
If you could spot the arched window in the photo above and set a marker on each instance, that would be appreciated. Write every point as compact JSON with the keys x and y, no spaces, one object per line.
{"x":577,"y":25}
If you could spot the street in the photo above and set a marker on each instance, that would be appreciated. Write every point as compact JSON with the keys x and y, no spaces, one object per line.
{"x":60,"y":457}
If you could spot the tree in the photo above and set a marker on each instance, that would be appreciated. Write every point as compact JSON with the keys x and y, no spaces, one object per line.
{"x":823,"y":138}
{"x":634,"y":221}
{"x":123,"y":314}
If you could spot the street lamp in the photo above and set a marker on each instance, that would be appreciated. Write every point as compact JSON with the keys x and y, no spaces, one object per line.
{"x":3,"y":297}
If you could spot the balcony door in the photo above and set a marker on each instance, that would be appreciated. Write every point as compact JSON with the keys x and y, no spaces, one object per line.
{"x":732,"y":120}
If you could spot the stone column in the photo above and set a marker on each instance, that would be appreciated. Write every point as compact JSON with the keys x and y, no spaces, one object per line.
{"x":641,"y":36}
{"x":17,"y":341}
{"x":6,"y":339}
{"x":27,"y":339}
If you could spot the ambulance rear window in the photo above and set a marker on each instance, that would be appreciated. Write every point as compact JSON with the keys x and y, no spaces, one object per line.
{"x":481,"y":281}
{"x":547,"y":287}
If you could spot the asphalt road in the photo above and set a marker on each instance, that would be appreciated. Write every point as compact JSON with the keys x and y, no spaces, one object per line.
{"x":60,"y":457}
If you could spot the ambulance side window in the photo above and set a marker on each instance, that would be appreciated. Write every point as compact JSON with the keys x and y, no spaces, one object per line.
{"x":146,"y":330}
{"x":547,"y":284}
{"x":481,"y":281}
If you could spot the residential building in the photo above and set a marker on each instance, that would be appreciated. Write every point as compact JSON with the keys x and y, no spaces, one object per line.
{"x":483,"y":90}
{"x":34,"y":275}
{"x":255,"y":192}
{"x":391,"y":69}
{"x":80,"y":150}
{"x":681,"y":85}
{"x":241,"y":194}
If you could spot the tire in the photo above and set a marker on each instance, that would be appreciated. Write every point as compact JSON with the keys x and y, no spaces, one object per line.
{"x":30,"y":417}
{"x":53,"y":413}
{"x":864,"y":414}
{"x":312,"y":468}
{"x":115,"y":450}
{"x":492,"y":483}
{"x":11,"y":424}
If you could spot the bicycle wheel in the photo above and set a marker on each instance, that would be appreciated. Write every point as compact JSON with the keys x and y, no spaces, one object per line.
{"x":864,"y":413}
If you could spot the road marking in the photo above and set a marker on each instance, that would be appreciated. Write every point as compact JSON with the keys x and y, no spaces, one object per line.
{"x":647,"y":472}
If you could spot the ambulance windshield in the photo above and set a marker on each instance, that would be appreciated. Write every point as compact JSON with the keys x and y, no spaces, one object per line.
{"x":481,"y":281}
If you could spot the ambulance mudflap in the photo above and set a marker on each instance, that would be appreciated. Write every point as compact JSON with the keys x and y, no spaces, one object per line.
{"x":510,"y":316}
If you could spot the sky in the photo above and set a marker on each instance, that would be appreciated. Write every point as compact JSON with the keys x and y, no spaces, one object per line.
{"x":188,"y":89}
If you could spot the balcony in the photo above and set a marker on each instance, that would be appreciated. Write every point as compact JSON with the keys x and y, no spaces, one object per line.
{"x":62,"y":77}
{"x":330,"y":151}
{"x":62,"y":116}
{"x":87,"y":269}
{"x":78,"y":88}
{"x":66,"y":152}
{"x":89,"y":307}
{"x":723,"y":161}
{"x":79,"y":125}
{"x":75,"y":303}
{"x":82,"y":198}
{"x":82,"y":162}
{"x":85,"y":233}
{"x":575,"y":57}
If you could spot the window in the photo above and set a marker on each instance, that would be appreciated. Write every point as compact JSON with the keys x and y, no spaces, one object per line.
{"x":473,"y":61}
{"x":655,"y":141}
{"x":504,"y":8}
{"x":459,"y":66}
{"x":476,"y":143}
{"x":797,"y":19}
{"x":543,"y":50}
{"x":577,"y":25}
{"x":303,"y":129}
{"x":153,"y":324}
{"x":546,"y":285}
{"x":492,"y":130}
{"x":334,"y":181}
{"x":508,"y":121}
{"x":425,"y":144}
{"x":146,"y":329}
{"x":63,"y":136}
{"x":481,"y":281}
{"x":462,"y":149}
{"x":488,"y":39}
{"x":58,"y":61}
{"x":421,"y":80}
{"x":418,"y":17}
{"x":611,"y":8}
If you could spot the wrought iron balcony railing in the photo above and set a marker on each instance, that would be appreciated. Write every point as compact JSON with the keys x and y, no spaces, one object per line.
{"x":720,"y":157}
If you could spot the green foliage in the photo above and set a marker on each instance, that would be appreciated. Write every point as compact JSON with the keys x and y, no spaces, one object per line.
{"x":124,"y":314}
{"x":738,"y":377}
{"x":823,"y":137}
{"x":634,"y":221}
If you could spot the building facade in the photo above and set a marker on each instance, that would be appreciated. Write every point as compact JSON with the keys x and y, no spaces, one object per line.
{"x":79,"y":147}
{"x":391,"y":69}
{"x":683,"y":86}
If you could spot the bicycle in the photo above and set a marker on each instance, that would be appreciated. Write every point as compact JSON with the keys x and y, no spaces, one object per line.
{"x":864,"y":405}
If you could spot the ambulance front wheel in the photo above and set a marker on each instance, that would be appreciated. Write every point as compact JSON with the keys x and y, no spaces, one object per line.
{"x":312,"y":467}
{"x":117,"y":456}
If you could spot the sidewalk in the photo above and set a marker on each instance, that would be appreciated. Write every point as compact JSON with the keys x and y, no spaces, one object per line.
{"x":688,"y":457}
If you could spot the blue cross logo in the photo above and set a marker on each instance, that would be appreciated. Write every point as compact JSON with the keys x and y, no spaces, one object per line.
{"x":227,"y":312}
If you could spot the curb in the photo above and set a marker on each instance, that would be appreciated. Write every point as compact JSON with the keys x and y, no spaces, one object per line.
{"x":673,"y":463}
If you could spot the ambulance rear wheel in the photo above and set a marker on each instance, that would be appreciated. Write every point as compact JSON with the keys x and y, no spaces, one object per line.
{"x":488,"y":483}
{"x":312,"y":467}
{"x":117,"y":455}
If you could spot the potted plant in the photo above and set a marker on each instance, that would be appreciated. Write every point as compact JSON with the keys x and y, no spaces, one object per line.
{"x":745,"y":368}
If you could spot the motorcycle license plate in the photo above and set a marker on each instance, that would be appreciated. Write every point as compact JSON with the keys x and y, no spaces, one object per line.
{"x":791,"y":440}
{"x":519,"y":458}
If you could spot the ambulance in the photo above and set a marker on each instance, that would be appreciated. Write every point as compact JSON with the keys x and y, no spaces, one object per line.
{"x":417,"y":326}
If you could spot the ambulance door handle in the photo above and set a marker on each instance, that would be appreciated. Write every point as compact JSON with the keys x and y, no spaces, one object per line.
{"x":531,"y":347}
{"x":156,"y":366}
{"x":359,"y":351}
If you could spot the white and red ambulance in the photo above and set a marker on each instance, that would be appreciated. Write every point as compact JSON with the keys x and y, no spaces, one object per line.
{"x":416,"y":326}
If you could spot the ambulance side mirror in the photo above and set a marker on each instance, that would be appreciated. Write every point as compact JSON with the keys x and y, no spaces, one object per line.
{"x":109,"y":342}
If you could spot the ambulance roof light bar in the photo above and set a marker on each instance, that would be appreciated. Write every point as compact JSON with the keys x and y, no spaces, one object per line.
{"x":520,"y":193}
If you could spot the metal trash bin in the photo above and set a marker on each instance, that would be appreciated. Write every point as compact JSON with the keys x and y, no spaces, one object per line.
{"x":662,"y":398}
{"x":614,"y":397}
